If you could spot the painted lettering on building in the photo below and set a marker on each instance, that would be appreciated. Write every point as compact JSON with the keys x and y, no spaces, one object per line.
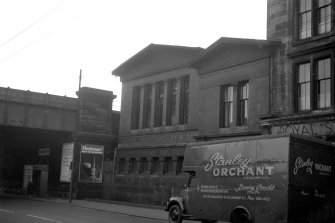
{"x":238,"y":166}
{"x":323,"y":128}
{"x":158,"y":139}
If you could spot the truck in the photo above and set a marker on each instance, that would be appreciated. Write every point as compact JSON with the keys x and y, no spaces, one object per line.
{"x":258,"y":179}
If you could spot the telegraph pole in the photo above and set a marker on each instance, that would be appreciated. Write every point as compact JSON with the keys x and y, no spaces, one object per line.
{"x":75,"y":141}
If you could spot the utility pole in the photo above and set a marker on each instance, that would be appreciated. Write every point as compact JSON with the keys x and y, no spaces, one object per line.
{"x":75,"y":141}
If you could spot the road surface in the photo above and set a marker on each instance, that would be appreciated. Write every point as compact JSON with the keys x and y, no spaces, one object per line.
{"x":19,"y":210}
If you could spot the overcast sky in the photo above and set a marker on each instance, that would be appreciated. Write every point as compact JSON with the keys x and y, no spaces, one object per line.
{"x":44,"y":43}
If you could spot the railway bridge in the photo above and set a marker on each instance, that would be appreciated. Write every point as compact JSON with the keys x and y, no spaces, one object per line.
{"x":34,"y":127}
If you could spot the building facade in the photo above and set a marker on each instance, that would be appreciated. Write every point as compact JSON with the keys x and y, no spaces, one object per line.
{"x":235,"y":87}
{"x":203,"y":95}
{"x":302,"y":73}
{"x":158,"y":117}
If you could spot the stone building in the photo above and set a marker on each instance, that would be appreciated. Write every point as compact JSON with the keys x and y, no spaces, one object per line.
{"x":158,"y":117}
{"x":173,"y":95}
{"x":302,"y":73}
{"x":235,"y":87}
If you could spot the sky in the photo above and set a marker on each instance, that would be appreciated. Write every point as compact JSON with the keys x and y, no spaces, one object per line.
{"x":45,"y":43}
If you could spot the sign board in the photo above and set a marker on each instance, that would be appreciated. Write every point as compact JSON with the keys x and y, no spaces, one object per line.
{"x":67,"y":157}
{"x":320,"y":128}
{"x":91,"y":163}
{"x":44,"y":152}
{"x":27,"y":175}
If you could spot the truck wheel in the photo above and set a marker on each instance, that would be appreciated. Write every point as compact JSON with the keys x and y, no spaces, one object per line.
{"x":240,"y":217}
{"x":175,"y":215}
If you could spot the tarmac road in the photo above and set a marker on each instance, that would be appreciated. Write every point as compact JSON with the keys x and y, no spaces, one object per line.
{"x":18,"y":210}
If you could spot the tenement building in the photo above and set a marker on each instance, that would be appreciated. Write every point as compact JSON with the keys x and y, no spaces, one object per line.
{"x":302,"y":72}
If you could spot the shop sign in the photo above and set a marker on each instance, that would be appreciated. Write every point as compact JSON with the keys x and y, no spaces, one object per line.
{"x":67,"y":157}
{"x":321,"y":128}
{"x":44,"y":152}
{"x":40,"y":167}
{"x":91,"y":163}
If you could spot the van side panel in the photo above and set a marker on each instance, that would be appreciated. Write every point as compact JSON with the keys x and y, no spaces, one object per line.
{"x":311,"y":176}
{"x":273,"y":152}
{"x":250,"y":174}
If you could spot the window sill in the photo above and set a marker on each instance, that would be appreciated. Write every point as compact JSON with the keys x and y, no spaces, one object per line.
{"x":297,"y":42}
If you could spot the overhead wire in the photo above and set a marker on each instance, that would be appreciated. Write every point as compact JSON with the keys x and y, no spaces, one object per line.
{"x":28,"y":27}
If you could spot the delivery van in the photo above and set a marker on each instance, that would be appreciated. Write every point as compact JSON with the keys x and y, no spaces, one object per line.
{"x":263,"y":179}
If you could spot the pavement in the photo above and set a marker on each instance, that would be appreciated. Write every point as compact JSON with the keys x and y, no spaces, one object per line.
{"x":132,"y":209}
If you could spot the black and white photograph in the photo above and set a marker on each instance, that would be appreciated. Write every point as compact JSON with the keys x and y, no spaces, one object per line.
{"x":178,"y":111}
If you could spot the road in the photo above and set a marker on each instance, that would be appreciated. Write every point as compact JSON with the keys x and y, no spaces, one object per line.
{"x":18,"y":210}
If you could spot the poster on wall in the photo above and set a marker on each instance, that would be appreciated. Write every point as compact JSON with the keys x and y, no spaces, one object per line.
{"x":67,"y":156}
{"x":27,"y":175}
{"x":91,"y":163}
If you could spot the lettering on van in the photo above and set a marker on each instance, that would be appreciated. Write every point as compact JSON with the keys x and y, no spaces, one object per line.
{"x":308,"y":164}
{"x":300,"y":163}
{"x":255,"y":189}
{"x":238,"y":166}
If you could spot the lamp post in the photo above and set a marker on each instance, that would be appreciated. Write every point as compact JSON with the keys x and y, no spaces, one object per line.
{"x":75,"y":142}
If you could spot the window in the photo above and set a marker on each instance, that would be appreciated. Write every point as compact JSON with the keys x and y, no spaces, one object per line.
{"x":154,"y":165}
{"x":305,"y":19}
{"x":167,"y":165}
{"x":132,"y":165}
{"x":135,"y":108}
{"x":122,"y":165}
{"x":244,"y":97}
{"x":314,"y":17}
{"x":234,"y":104}
{"x":184,"y":99}
{"x":315,"y":91}
{"x":303,"y":85}
{"x":227,"y":94}
{"x":159,"y":100}
{"x":324,"y":16}
{"x":143,"y":165}
{"x":147,"y":106}
{"x":171,"y":116}
{"x":180,"y":161}
{"x":323,"y":83}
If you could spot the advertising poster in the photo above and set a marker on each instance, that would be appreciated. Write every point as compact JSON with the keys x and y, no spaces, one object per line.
{"x":27,"y":175}
{"x":67,"y":156}
{"x":91,"y":163}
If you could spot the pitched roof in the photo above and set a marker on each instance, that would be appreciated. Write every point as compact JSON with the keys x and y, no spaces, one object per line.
{"x":156,"y":58}
{"x":221,"y":43}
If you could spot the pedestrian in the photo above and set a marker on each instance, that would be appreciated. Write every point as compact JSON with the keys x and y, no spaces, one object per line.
{"x":30,"y":189}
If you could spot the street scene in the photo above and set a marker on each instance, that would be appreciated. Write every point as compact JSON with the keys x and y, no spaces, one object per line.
{"x":167,"y":111}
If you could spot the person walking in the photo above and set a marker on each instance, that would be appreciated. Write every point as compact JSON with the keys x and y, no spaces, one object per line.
{"x":30,"y":189}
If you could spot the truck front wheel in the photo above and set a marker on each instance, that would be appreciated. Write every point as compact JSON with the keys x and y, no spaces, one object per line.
{"x":175,"y":215}
{"x":240,"y":216}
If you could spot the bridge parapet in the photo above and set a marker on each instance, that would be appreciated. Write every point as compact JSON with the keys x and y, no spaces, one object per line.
{"x":39,"y":99}
{"x":36,"y":110}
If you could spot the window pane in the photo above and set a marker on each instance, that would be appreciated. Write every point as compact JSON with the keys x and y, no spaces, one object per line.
{"x":308,"y":97}
{"x":323,"y":2}
{"x":321,"y":69}
{"x":327,"y":68}
{"x":302,"y":5}
{"x":308,"y":5}
{"x":327,"y":92}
